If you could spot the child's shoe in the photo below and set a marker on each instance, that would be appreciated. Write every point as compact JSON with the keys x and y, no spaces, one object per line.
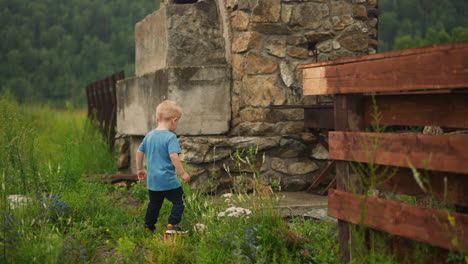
{"x":149,"y":229}
{"x":175,"y":229}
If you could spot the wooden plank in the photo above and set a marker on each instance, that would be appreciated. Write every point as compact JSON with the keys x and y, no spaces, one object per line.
{"x":388,"y":54}
{"x":113,"y":178}
{"x":101,"y":97}
{"x":107,"y":106}
{"x":448,"y":153}
{"x":417,"y":223}
{"x":444,"y":110}
{"x":444,"y":186}
{"x":430,"y":69}
{"x":332,"y":184}
{"x":344,"y":236}
{"x":404,"y":250}
{"x":115,"y":78}
{"x":95,"y":103}
{"x":322,"y":117}
{"x":89,"y":89}
{"x":113,"y":117}
{"x":349,"y":113}
{"x":349,"y":116}
{"x":101,"y":104}
{"x":322,"y":176}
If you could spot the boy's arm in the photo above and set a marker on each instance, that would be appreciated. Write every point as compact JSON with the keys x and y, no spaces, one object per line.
{"x":178,"y":166}
{"x":141,"y":173}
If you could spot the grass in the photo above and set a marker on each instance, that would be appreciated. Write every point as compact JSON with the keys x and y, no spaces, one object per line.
{"x":64,"y":218}
{"x":371,"y":246}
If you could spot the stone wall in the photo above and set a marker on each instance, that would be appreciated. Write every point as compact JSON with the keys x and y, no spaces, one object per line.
{"x":266,"y":40}
{"x":270,"y":38}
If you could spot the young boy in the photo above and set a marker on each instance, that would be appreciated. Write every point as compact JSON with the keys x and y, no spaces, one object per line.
{"x":162,"y":150}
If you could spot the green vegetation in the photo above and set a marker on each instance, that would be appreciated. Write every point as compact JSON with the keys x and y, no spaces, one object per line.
{"x":62,"y":217}
{"x":372,"y":246}
{"x":414,"y":23}
{"x":51,"y":49}
{"x":45,"y":149}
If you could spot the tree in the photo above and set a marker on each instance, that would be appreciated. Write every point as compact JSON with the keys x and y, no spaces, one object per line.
{"x":51,"y":49}
{"x":420,"y":22}
{"x":459,"y":34}
{"x":432,"y":37}
{"x":21,"y":88}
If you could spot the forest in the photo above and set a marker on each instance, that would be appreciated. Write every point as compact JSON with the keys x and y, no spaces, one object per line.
{"x":415,"y":23}
{"x":51,"y":49}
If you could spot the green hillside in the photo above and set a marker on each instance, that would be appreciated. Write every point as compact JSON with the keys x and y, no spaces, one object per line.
{"x":51,"y":49}
{"x":415,"y":23}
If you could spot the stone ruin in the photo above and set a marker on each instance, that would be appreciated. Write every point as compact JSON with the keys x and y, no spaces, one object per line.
{"x":228,"y":63}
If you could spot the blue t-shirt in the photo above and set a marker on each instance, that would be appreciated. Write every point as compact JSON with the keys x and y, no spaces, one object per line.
{"x":157,"y":145}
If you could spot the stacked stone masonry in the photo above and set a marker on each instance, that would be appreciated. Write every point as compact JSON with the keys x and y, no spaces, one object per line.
{"x":265,"y":40}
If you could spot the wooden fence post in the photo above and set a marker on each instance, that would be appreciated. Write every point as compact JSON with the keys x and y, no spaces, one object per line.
{"x":425,"y":86}
{"x":102,"y":104}
{"x":349,"y":116}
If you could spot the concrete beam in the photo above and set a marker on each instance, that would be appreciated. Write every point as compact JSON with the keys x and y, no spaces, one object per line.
{"x":179,"y":35}
{"x":202,"y":92}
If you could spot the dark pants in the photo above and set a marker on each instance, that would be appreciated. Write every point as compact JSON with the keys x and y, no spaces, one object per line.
{"x":175,"y":196}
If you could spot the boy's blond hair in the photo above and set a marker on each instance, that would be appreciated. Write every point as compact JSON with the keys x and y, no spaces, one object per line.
{"x":168,"y":110}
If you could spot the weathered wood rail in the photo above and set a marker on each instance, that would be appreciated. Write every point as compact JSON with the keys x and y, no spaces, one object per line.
{"x":415,"y":87}
{"x":114,"y":178}
{"x":102,"y":104}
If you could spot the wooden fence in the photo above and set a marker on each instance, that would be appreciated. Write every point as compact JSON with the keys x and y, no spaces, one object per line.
{"x":415,"y":87}
{"x":102,"y":104}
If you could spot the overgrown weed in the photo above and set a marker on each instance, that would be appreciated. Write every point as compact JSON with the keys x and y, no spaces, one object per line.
{"x":370,"y":246}
{"x":68,"y":219}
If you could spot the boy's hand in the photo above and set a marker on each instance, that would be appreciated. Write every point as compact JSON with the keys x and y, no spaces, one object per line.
{"x":185,"y":177}
{"x":141,"y":174}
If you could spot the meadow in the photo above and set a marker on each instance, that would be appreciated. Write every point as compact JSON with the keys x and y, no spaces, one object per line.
{"x":52,"y":212}
{"x":63,"y":217}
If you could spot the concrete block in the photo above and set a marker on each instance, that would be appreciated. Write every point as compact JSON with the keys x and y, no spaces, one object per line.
{"x":151,"y":43}
{"x":135,"y":142}
{"x":137,"y":99}
{"x":179,"y":35}
{"x":202,"y":92}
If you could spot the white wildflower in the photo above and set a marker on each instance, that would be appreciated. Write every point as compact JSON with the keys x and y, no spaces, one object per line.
{"x":227,"y":195}
{"x":231,"y":209}
{"x":234,"y":211}
{"x":200,"y":227}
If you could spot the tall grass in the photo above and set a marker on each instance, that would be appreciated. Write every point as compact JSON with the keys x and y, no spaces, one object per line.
{"x":45,"y":155}
{"x":48,"y":149}
{"x":17,"y":155}
{"x":64,"y":218}
{"x":371,"y":246}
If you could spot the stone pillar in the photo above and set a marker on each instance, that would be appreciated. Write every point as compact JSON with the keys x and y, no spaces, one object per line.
{"x":179,"y":56}
{"x":269,"y":39}
{"x":234,"y":60}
